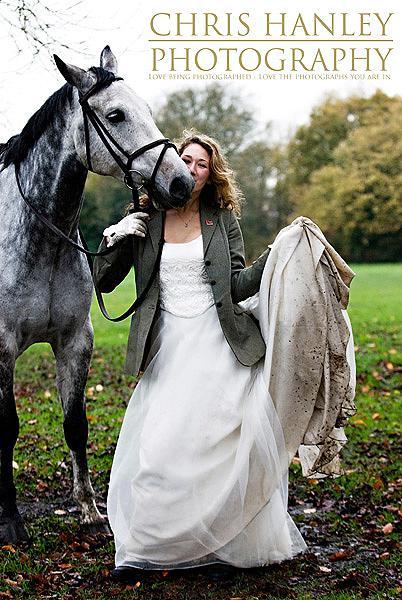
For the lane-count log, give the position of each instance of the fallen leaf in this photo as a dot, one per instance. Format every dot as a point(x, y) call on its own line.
point(389, 366)
point(15, 465)
point(375, 416)
point(10, 582)
point(47, 394)
point(378, 484)
point(384, 555)
point(8, 548)
point(340, 555)
point(59, 511)
point(392, 351)
point(365, 389)
point(32, 421)
point(165, 573)
point(388, 528)
point(324, 569)
point(309, 511)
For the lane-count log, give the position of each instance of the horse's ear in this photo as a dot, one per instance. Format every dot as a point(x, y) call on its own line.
point(78, 77)
point(108, 60)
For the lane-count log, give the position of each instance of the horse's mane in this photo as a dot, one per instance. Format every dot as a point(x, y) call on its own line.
point(18, 146)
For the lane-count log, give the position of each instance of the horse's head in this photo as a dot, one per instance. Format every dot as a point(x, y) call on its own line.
point(128, 119)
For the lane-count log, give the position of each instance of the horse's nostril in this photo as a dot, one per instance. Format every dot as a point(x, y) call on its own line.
point(179, 189)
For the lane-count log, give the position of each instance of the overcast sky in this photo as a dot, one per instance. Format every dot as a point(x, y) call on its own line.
point(27, 81)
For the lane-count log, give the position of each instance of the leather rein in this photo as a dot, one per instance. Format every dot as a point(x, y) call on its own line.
point(126, 166)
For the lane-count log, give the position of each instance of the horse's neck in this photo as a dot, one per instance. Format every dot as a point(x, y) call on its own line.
point(52, 177)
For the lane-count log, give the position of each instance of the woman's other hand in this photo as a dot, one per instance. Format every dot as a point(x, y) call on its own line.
point(132, 224)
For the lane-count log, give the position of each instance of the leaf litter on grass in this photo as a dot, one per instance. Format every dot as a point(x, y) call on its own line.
point(351, 524)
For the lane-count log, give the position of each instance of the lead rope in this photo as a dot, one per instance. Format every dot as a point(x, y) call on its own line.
point(144, 292)
point(84, 248)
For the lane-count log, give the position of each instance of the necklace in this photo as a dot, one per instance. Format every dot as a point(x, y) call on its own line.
point(187, 223)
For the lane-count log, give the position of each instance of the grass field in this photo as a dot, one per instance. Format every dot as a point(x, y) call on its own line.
point(350, 524)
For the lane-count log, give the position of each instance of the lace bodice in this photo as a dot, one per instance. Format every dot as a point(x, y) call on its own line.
point(185, 290)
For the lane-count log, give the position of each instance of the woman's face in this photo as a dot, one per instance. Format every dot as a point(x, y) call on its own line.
point(197, 161)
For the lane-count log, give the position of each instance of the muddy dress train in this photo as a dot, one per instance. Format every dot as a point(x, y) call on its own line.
point(200, 473)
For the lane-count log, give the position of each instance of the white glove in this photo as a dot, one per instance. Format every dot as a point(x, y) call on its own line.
point(132, 224)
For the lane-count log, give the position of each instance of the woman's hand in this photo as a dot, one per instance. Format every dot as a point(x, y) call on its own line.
point(132, 224)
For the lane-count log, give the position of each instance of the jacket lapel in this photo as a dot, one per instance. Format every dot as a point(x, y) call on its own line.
point(209, 219)
point(209, 216)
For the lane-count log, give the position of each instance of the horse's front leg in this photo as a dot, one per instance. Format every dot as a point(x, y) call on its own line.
point(73, 356)
point(12, 528)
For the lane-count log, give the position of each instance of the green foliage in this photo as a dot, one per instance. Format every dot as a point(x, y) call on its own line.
point(254, 168)
point(104, 202)
point(213, 111)
point(345, 173)
point(330, 122)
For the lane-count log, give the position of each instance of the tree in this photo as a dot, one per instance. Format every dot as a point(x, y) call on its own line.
point(36, 24)
point(211, 110)
point(104, 203)
point(254, 169)
point(355, 196)
point(330, 123)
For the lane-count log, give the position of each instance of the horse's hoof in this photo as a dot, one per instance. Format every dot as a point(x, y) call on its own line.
point(13, 531)
point(97, 527)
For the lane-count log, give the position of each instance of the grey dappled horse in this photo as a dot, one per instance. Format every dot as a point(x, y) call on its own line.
point(45, 284)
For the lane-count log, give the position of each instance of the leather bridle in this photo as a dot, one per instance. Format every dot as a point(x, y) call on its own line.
point(111, 145)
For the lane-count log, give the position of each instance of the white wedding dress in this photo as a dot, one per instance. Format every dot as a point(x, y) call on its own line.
point(200, 473)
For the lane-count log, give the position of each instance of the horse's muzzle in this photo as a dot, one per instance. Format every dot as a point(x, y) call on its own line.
point(180, 190)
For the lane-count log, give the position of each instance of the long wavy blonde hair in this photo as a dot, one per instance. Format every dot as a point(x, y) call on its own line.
point(222, 189)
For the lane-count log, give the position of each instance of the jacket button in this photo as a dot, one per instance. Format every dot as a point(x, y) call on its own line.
point(213, 282)
point(207, 263)
point(219, 304)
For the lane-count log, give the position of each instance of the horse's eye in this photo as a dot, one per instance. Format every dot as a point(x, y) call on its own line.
point(116, 116)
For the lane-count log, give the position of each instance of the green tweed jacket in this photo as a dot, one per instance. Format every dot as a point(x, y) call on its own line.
point(230, 279)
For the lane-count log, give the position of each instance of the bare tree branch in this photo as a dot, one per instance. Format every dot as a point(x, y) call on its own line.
point(35, 25)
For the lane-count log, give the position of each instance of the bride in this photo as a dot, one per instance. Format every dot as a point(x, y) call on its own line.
point(200, 473)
